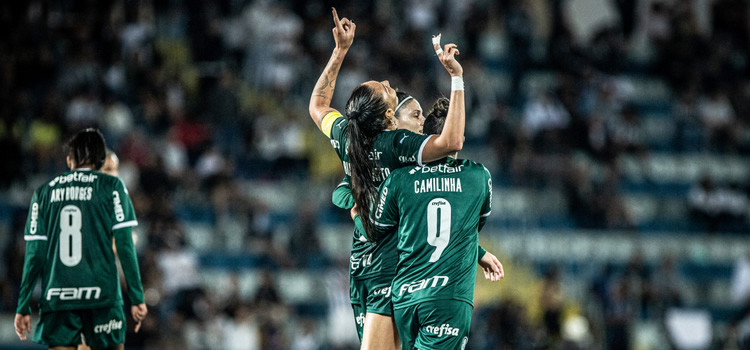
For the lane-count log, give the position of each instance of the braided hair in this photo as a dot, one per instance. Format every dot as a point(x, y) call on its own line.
point(435, 119)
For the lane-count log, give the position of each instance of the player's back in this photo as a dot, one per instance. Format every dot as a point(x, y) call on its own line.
point(391, 150)
point(77, 213)
point(439, 209)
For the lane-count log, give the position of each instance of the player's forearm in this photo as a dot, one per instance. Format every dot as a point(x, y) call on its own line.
point(455, 121)
point(33, 263)
point(451, 139)
point(129, 262)
point(320, 100)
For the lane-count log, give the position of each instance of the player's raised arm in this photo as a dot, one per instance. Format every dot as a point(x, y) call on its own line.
point(320, 100)
point(451, 139)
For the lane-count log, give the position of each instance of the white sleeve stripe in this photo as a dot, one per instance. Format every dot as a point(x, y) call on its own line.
point(130, 223)
point(381, 225)
point(421, 148)
point(35, 238)
point(486, 215)
point(342, 184)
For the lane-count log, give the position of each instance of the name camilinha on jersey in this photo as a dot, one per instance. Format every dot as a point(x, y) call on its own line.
point(438, 184)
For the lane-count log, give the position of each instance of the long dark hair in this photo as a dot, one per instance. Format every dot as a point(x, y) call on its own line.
point(87, 147)
point(365, 112)
point(435, 119)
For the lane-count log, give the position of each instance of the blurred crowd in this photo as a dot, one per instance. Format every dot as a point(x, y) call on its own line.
point(199, 97)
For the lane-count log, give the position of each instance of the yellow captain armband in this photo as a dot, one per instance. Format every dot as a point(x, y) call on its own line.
point(326, 124)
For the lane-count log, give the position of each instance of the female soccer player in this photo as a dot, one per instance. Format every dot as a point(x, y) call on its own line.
point(362, 135)
point(437, 209)
point(72, 221)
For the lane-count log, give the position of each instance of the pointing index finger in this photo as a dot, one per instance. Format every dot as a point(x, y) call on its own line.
point(335, 17)
point(436, 42)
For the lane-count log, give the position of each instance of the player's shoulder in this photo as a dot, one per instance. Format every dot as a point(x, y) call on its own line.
point(338, 121)
point(471, 164)
point(398, 136)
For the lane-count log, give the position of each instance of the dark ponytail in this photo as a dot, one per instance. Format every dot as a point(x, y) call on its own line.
point(365, 112)
point(435, 119)
point(87, 147)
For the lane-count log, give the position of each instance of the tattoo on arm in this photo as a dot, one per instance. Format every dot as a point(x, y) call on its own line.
point(324, 87)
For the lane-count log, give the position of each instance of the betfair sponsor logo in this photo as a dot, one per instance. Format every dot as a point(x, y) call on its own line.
point(442, 168)
point(73, 177)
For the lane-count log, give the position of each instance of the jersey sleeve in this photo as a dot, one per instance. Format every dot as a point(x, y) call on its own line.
point(409, 146)
point(34, 230)
point(123, 213)
point(481, 251)
point(329, 125)
point(487, 205)
point(385, 215)
point(124, 220)
point(34, 259)
point(342, 195)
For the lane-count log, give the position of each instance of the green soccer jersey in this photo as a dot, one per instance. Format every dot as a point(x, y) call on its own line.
point(438, 210)
point(391, 150)
point(71, 223)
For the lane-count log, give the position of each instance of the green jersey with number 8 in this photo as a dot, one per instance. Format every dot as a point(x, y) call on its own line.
point(76, 214)
point(438, 210)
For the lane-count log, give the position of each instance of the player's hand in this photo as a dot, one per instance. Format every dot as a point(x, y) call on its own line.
point(139, 312)
point(343, 32)
point(447, 56)
point(493, 269)
point(353, 211)
point(23, 325)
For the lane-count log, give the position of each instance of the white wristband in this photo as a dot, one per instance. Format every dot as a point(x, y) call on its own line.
point(457, 84)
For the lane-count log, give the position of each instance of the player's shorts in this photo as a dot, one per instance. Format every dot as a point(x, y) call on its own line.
point(371, 295)
point(102, 327)
point(434, 325)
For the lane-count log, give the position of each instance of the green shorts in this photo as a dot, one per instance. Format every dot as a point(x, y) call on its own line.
point(102, 327)
point(370, 295)
point(434, 325)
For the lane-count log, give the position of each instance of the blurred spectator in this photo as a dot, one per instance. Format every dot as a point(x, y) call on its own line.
point(304, 243)
point(718, 117)
point(241, 331)
point(688, 125)
point(551, 301)
point(545, 121)
point(618, 317)
point(716, 208)
point(520, 32)
point(636, 281)
point(740, 297)
point(628, 134)
point(668, 287)
point(305, 337)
